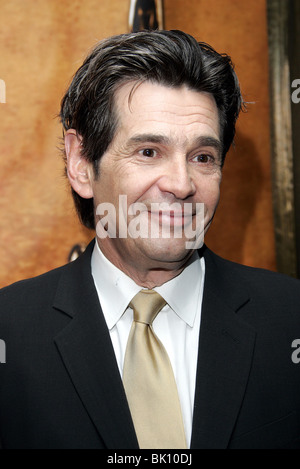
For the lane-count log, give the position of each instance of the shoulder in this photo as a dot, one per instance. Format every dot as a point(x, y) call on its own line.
point(28, 299)
point(30, 312)
point(37, 286)
point(268, 288)
point(32, 301)
point(42, 289)
point(252, 275)
point(26, 311)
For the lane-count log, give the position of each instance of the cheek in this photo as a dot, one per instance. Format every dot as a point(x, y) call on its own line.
point(121, 177)
point(139, 186)
point(113, 189)
point(209, 193)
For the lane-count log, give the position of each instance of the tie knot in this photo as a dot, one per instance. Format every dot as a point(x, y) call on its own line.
point(146, 306)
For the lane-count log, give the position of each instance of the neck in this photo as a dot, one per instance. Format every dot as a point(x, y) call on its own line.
point(151, 274)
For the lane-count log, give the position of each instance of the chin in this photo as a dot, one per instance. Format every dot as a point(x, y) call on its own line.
point(167, 250)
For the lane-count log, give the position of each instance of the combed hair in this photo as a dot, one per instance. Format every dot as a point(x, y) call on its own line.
point(169, 58)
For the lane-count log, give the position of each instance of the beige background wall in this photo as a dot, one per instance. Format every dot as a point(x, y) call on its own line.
point(42, 43)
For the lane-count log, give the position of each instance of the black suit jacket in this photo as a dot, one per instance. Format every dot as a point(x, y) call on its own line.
point(60, 386)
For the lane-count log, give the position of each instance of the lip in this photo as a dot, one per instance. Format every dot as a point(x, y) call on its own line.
point(171, 214)
point(171, 218)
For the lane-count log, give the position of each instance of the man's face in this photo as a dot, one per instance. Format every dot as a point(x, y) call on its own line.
point(166, 149)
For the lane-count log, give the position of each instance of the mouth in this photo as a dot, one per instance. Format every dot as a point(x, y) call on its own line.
point(171, 218)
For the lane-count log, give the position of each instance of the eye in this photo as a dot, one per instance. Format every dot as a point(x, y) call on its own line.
point(148, 153)
point(202, 158)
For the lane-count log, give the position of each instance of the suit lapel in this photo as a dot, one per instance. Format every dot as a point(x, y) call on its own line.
point(225, 355)
point(88, 355)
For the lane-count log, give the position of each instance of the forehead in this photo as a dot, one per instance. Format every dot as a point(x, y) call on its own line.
point(166, 109)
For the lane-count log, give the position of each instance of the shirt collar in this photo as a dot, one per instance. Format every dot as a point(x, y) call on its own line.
point(183, 293)
point(115, 289)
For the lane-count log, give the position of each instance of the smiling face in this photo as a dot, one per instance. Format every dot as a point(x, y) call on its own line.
point(167, 149)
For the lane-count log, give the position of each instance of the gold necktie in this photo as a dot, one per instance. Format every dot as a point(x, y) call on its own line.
point(149, 380)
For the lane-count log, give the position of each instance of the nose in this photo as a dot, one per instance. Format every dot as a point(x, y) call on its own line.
point(177, 180)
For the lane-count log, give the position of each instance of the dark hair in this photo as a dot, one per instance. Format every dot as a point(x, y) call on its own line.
point(170, 58)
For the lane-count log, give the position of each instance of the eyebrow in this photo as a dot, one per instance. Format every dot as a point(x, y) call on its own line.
point(202, 141)
point(206, 141)
point(153, 138)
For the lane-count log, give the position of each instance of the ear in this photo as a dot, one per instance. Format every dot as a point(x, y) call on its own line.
point(79, 170)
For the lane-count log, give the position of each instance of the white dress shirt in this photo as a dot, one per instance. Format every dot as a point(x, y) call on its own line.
point(177, 325)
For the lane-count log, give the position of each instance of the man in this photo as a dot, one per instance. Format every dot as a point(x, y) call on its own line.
point(147, 341)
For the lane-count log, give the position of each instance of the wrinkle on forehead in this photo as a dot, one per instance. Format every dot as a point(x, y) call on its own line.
point(157, 104)
point(128, 91)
